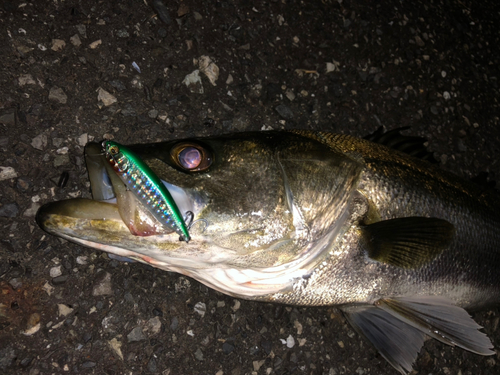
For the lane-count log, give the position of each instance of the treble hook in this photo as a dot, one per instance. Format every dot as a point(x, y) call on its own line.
point(191, 222)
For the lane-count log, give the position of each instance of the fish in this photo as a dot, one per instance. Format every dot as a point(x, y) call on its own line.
point(403, 248)
point(146, 186)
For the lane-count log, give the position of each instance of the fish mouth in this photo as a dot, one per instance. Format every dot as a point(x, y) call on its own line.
point(114, 220)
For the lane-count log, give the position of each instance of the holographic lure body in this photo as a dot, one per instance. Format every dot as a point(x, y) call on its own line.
point(147, 187)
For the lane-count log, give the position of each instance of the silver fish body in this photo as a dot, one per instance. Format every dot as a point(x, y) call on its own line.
point(311, 218)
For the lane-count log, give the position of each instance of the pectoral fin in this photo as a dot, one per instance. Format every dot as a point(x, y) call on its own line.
point(408, 242)
point(397, 327)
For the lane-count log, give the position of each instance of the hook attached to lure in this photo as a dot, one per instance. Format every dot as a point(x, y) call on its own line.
point(147, 187)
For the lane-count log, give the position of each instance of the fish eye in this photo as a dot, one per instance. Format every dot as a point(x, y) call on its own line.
point(114, 150)
point(191, 157)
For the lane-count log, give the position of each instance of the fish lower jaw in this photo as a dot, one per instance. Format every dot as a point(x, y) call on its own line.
point(246, 283)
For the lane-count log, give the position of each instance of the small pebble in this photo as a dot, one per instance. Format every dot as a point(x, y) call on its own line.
point(26, 79)
point(55, 271)
point(81, 260)
point(88, 364)
point(64, 310)
point(60, 279)
point(227, 347)
point(25, 362)
point(267, 346)
point(290, 95)
point(83, 139)
point(290, 341)
point(152, 364)
point(193, 82)
point(48, 288)
point(7, 357)
point(95, 44)
point(82, 30)
point(87, 336)
point(23, 184)
point(116, 346)
point(136, 335)
point(105, 97)
point(57, 94)
point(419, 41)
point(39, 142)
point(153, 325)
point(58, 45)
point(174, 324)
point(284, 112)
point(6, 173)
point(198, 354)
point(162, 33)
point(60, 160)
point(9, 210)
point(200, 308)
point(128, 111)
point(117, 84)
point(157, 312)
point(102, 285)
point(122, 33)
point(75, 40)
point(15, 283)
point(330, 67)
point(33, 324)
point(31, 212)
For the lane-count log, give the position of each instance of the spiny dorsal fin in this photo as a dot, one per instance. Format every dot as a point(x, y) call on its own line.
point(411, 145)
point(408, 242)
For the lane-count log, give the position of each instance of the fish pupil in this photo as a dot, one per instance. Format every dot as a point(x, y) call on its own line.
point(190, 157)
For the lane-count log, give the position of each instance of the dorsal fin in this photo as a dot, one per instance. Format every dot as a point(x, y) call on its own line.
point(411, 145)
point(415, 146)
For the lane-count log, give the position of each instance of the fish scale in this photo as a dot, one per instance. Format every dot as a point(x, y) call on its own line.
point(147, 187)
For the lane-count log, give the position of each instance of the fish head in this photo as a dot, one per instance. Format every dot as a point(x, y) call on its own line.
point(263, 209)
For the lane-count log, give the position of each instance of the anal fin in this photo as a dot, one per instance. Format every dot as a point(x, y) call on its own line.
point(439, 318)
point(397, 327)
point(398, 342)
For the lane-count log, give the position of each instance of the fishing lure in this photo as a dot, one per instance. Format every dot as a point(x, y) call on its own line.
point(147, 187)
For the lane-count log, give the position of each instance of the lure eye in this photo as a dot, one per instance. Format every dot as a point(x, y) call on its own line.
point(191, 157)
point(113, 150)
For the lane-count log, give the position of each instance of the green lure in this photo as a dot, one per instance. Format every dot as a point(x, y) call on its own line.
point(147, 187)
